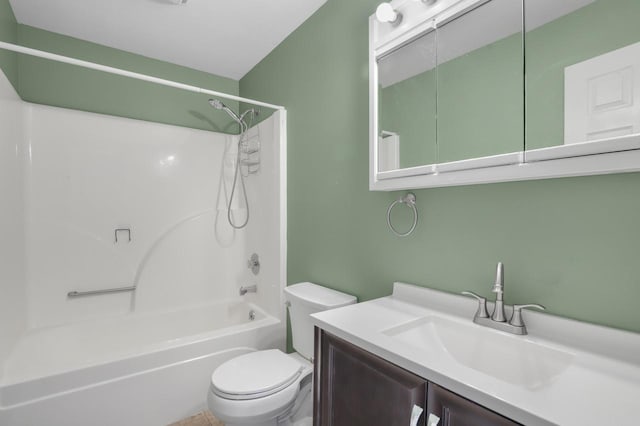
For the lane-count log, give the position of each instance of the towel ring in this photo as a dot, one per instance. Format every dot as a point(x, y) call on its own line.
point(409, 200)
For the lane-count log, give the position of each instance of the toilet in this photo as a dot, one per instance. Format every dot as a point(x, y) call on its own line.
point(270, 387)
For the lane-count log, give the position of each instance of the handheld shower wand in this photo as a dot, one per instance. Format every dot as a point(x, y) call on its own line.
point(244, 127)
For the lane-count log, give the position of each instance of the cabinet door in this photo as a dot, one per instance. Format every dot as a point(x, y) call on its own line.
point(356, 388)
point(454, 410)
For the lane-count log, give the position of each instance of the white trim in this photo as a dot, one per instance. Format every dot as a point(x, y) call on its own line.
point(404, 39)
point(607, 163)
point(408, 171)
point(373, 107)
point(602, 146)
point(130, 74)
point(417, 17)
point(282, 116)
point(480, 162)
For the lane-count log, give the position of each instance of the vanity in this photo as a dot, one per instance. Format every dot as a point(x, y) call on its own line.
point(478, 91)
point(417, 358)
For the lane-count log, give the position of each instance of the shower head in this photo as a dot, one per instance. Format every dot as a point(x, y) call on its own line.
point(217, 104)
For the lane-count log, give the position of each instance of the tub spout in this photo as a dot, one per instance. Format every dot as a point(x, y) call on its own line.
point(248, 289)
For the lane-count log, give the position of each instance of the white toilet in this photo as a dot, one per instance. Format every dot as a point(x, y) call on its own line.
point(269, 387)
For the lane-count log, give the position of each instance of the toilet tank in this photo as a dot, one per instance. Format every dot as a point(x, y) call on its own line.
point(305, 299)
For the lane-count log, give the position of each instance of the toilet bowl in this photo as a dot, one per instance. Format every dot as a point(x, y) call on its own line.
point(269, 387)
point(260, 388)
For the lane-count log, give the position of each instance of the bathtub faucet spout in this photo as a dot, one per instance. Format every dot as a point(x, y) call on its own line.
point(249, 289)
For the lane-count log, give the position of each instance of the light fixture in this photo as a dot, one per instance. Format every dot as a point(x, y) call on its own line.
point(386, 13)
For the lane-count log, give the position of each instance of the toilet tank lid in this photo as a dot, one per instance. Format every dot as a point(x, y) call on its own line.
point(318, 296)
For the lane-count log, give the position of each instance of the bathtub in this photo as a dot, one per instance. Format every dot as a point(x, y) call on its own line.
point(140, 369)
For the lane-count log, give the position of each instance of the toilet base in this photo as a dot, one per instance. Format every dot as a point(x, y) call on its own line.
point(297, 413)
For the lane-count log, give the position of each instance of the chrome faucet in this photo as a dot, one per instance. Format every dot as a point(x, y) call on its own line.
point(498, 289)
point(498, 318)
point(248, 289)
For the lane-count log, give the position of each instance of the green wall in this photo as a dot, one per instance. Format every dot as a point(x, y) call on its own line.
point(9, 34)
point(570, 244)
point(53, 83)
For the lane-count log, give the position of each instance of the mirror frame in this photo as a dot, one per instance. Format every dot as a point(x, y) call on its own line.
point(615, 155)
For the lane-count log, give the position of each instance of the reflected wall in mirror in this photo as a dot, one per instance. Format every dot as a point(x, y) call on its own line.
point(583, 72)
point(481, 83)
point(407, 105)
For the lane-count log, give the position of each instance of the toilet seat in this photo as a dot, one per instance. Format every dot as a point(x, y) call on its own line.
point(255, 375)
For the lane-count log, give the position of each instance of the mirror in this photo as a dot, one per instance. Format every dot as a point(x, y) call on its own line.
point(469, 73)
point(481, 83)
point(583, 75)
point(454, 101)
point(407, 105)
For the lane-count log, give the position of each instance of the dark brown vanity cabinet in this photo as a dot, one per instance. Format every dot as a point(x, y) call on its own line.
point(353, 387)
point(454, 410)
point(356, 388)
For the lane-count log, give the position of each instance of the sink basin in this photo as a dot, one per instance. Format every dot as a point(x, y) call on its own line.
point(513, 359)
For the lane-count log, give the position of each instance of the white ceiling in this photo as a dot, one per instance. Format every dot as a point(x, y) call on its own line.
point(222, 37)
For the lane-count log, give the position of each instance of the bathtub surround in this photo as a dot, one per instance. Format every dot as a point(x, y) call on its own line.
point(70, 179)
point(570, 244)
point(91, 174)
point(13, 303)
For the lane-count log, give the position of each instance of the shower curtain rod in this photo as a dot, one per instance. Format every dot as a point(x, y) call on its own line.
point(130, 74)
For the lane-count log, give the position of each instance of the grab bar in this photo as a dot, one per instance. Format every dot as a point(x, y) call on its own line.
point(73, 294)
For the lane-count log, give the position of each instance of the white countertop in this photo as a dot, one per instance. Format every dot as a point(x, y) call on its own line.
point(599, 386)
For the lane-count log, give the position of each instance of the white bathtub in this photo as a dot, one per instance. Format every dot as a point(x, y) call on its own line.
point(139, 369)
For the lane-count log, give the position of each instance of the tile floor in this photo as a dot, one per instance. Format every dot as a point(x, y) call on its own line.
point(204, 418)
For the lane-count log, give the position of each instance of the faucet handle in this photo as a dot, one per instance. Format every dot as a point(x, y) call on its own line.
point(516, 318)
point(482, 304)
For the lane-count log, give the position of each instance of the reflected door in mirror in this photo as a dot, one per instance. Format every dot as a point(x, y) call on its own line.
point(583, 65)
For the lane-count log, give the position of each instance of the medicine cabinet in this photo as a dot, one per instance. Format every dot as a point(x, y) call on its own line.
point(477, 91)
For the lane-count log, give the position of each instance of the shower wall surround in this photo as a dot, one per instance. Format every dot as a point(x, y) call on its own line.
point(86, 175)
point(570, 244)
point(91, 174)
point(12, 248)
